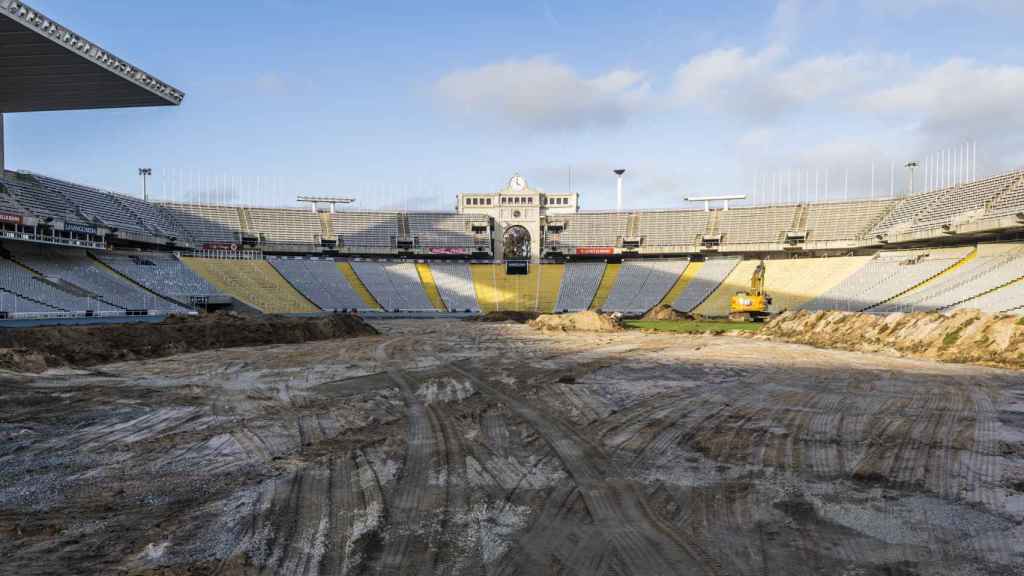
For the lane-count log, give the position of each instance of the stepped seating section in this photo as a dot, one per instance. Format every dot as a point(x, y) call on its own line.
point(1010, 201)
point(40, 201)
point(591, 229)
point(642, 284)
point(7, 202)
point(286, 225)
point(76, 268)
point(97, 206)
point(794, 282)
point(365, 229)
point(904, 213)
point(886, 276)
point(207, 223)
point(254, 282)
point(704, 283)
point(454, 282)
point(17, 280)
point(395, 285)
point(1008, 299)
point(716, 305)
point(14, 306)
point(755, 225)
point(963, 199)
point(536, 291)
point(672, 227)
point(160, 273)
point(691, 270)
point(320, 281)
point(442, 230)
point(155, 218)
point(579, 285)
point(844, 220)
point(993, 267)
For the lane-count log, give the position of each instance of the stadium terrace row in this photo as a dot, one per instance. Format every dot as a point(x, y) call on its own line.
point(43, 205)
point(38, 281)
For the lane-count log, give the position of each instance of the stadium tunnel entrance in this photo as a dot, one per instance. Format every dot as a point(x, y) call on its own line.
point(516, 243)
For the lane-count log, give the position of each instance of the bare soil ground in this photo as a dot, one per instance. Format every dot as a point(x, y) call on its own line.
point(445, 447)
point(585, 321)
point(36, 349)
point(967, 336)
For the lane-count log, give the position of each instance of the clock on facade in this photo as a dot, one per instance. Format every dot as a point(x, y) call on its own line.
point(517, 183)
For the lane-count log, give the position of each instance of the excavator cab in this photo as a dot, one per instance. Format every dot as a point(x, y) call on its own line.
point(752, 305)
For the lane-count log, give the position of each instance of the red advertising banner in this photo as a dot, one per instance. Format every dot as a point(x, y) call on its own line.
point(449, 251)
point(10, 218)
point(595, 251)
point(220, 246)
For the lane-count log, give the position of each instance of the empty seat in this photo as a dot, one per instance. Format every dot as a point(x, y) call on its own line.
point(641, 284)
point(321, 281)
point(160, 272)
point(704, 282)
point(365, 229)
point(395, 285)
point(454, 282)
point(579, 285)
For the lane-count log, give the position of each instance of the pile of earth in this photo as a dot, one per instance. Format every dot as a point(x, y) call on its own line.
point(39, 348)
point(504, 316)
point(967, 336)
point(587, 321)
point(665, 312)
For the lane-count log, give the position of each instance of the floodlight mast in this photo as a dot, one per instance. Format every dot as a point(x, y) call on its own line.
point(707, 200)
point(145, 173)
point(618, 188)
point(332, 200)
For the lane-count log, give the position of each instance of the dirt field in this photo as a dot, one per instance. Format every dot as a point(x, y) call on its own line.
point(444, 447)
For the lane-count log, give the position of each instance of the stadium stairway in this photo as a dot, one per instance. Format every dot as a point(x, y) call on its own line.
point(427, 279)
point(325, 226)
point(253, 282)
point(611, 272)
point(927, 282)
point(358, 286)
point(684, 279)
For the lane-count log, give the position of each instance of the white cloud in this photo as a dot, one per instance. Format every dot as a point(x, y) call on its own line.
point(764, 85)
point(957, 100)
point(540, 93)
point(958, 95)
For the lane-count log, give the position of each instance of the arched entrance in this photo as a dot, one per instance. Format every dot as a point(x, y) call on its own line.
point(516, 243)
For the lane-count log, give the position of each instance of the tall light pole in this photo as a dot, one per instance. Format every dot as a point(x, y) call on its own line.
point(618, 189)
point(145, 173)
point(911, 166)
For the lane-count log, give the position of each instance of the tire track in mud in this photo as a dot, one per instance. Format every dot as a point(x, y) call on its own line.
point(412, 529)
point(643, 543)
point(319, 520)
point(429, 513)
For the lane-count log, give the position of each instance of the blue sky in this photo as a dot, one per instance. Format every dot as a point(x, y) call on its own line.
point(408, 104)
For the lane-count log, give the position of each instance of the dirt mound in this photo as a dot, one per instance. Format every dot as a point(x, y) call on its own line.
point(36, 349)
point(967, 336)
point(504, 316)
point(577, 322)
point(666, 312)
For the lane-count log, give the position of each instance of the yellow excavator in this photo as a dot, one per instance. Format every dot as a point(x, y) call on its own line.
point(751, 306)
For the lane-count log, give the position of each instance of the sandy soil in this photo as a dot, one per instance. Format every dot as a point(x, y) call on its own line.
point(465, 448)
point(966, 336)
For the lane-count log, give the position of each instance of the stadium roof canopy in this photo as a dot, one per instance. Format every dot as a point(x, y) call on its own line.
point(45, 66)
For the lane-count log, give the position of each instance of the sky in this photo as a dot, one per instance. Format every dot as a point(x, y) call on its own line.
point(408, 104)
